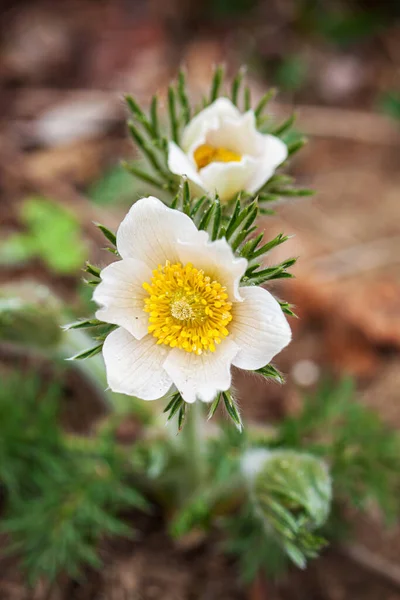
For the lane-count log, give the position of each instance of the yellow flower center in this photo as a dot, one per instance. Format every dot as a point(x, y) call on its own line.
point(186, 308)
point(206, 154)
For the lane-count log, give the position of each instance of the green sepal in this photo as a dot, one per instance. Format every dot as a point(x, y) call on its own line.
point(271, 372)
point(232, 409)
point(88, 353)
point(109, 235)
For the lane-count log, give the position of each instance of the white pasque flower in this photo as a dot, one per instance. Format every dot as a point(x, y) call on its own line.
point(222, 152)
point(182, 317)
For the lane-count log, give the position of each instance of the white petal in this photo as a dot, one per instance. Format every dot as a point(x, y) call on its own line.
point(259, 328)
point(121, 295)
point(227, 179)
point(217, 261)
point(239, 134)
point(150, 230)
point(180, 164)
point(135, 367)
point(202, 376)
point(273, 153)
point(209, 118)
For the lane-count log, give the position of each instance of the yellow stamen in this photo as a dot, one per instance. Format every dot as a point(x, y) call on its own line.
point(206, 154)
point(186, 308)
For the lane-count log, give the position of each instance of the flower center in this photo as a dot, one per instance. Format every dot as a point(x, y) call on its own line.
point(206, 154)
point(186, 308)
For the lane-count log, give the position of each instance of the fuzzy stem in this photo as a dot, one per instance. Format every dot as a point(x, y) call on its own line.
point(193, 447)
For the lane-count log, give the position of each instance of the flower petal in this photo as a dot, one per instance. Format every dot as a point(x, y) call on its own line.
point(239, 134)
point(216, 259)
point(273, 153)
point(259, 328)
point(121, 295)
point(135, 367)
point(202, 376)
point(228, 178)
point(149, 232)
point(208, 118)
point(180, 164)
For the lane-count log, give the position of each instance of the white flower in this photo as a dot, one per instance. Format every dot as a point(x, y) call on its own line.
point(222, 151)
point(183, 319)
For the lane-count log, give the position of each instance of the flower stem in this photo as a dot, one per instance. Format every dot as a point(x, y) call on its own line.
point(193, 447)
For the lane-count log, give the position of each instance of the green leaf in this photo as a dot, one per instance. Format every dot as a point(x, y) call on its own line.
point(148, 151)
point(284, 126)
point(92, 270)
point(140, 116)
point(271, 372)
point(236, 83)
point(54, 235)
point(247, 98)
point(176, 404)
point(88, 353)
point(183, 98)
point(268, 96)
point(181, 416)
point(216, 83)
point(115, 186)
point(232, 410)
point(173, 120)
point(214, 406)
point(84, 324)
point(295, 146)
point(287, 308)
point(109, 235)
point(143, 175)
point(154, 117)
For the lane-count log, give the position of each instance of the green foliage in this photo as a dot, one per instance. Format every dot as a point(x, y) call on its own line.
point(363, 453)
point(62, 493)
point(29, 315)
point(116, 186)
point(52, 234)
point(344, 24)
point(256, 549)
point(292, 73)
point(389, 103)
point(292, 495)
point(288, 496)
point(348, 27)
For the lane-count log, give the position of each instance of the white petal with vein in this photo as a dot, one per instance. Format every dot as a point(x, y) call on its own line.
point(180, 164)
point(202, 377)
point(227, 178)
point(207, 119)
point(259, 328)
point(273, 153)
point(135, 367)
point(150, 230)
point(121, 295)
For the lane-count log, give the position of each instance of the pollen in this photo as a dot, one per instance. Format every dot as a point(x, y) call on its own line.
point(187, 308)
point(206, 154)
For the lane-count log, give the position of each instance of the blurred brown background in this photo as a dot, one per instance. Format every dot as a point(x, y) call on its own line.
point(63, 69)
